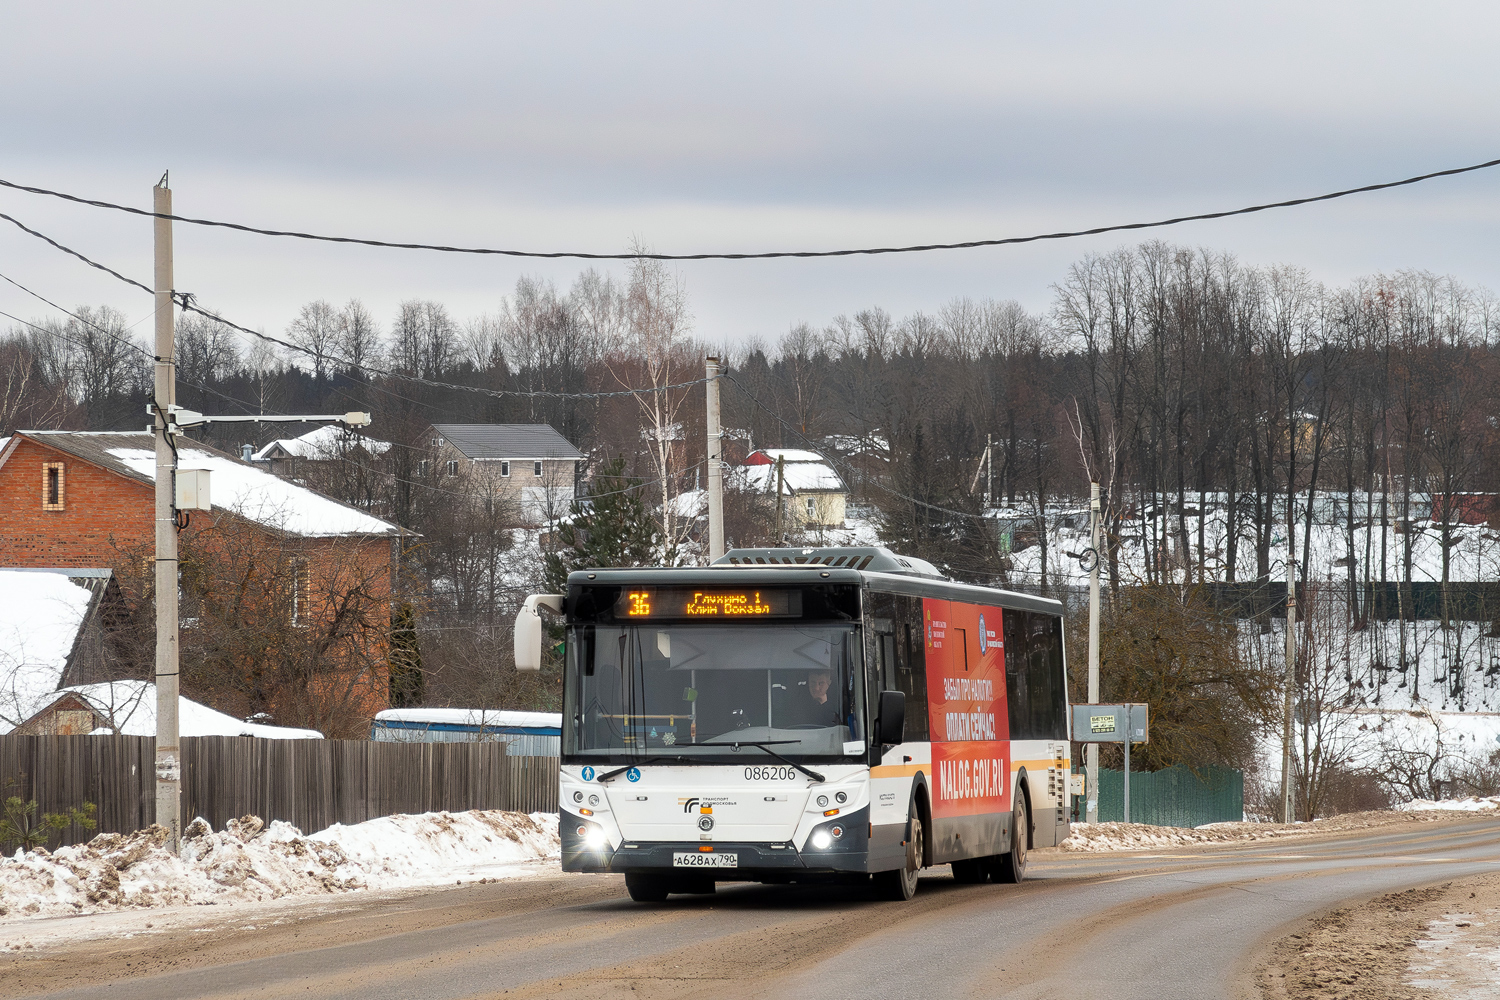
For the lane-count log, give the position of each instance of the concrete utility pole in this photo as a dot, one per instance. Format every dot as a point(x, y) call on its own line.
point(780, 469)
point(1288, 796)
point(715, 467)
point(989, 469)
point(1091, 767)
point(164, 397)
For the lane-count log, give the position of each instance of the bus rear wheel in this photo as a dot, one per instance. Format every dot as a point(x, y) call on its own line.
point(1011, 867)
point(645, 888)
point(901, 884)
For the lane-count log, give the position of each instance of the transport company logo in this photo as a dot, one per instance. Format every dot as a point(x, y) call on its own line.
point(690, 804)
point(982, 635)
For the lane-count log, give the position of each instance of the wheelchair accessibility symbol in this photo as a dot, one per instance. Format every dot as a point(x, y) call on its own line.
point(634, 774)
point(588, 774)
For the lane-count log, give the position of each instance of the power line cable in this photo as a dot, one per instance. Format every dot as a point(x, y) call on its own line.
point(867, 251)
point(185, 300)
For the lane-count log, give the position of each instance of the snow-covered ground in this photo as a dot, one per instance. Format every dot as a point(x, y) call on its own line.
point(249, 862)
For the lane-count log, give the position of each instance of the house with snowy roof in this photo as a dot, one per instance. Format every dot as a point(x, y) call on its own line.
point(531, 465)
point(301, 563)
point(128, 708)
point(817, 495)
point(50, 635)
point(329, 443)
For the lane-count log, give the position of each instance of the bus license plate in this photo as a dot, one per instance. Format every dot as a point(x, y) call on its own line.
point(695, 859)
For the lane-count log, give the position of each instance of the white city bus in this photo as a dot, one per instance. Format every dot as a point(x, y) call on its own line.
point(804, 715)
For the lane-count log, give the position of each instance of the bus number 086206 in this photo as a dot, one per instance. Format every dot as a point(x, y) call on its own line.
point(770, 773)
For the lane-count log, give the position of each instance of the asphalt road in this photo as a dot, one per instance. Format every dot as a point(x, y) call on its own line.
point(1156, 926)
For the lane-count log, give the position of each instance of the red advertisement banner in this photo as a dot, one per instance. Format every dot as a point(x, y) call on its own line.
point(966, 708)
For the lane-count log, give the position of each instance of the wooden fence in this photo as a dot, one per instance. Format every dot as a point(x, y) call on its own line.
point(311, 784)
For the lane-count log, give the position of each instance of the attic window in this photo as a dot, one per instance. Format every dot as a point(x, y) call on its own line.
point(536, 468)
point(437, 442)
point(54, 486)
point(504, 468)
point(812, 507)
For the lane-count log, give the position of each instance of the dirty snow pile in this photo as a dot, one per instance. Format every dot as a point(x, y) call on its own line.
point(1141, 836)
point(1471, 804)
point(249, 861)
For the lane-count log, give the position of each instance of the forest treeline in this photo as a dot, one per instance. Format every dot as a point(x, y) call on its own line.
point(1181, 379)
point(1167, 373)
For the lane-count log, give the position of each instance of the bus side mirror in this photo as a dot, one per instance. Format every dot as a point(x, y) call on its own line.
point(891, 723)
point(529, 629)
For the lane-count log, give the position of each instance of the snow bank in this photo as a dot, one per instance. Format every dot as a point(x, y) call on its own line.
point(1141, 836)
point(250, 862)
point(1470, 804)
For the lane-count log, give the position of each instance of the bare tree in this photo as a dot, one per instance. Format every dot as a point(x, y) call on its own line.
point(316, 331)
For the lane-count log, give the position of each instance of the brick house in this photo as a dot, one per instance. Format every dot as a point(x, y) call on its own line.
point(530, 464)
point(288, 565)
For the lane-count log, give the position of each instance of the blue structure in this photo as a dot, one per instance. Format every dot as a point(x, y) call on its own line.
point(526, 734)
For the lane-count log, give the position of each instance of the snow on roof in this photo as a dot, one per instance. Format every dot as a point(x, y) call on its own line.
point(261, 497)
point(40, 615)
point(325, 443)
point(692, 503)
point(132, 707)
point(787, 455)
point(472, 717)
point(797, 477)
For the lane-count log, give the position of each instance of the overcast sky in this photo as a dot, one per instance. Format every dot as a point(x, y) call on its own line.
point(700, 127)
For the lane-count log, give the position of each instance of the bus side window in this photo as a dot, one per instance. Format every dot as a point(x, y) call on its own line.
point(1045, 681)
point(1017, 690)
point(888, 680)
point(913, 668)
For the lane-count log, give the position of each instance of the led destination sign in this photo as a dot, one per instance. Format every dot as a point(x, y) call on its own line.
point(700, 603)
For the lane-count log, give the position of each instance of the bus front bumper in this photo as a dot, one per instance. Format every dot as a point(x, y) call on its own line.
point(752, 861)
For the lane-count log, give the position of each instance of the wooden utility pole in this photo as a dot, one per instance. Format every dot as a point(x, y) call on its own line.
point(715, 466)
point(164, 397)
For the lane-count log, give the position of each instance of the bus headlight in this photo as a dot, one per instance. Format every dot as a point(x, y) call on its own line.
point(821, 839)
point(594, 837)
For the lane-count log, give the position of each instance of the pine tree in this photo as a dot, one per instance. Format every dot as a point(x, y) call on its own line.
point(610, 528)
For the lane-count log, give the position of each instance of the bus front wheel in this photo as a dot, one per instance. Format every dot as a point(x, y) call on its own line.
point(901, 884)
point(645, 888)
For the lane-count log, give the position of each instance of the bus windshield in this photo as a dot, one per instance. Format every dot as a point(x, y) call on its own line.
point(694, 690)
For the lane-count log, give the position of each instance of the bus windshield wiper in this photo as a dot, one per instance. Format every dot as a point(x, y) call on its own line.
point(814, 775)
point(621, 770)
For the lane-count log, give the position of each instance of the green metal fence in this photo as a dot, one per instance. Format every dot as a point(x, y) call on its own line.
point(1177, 796)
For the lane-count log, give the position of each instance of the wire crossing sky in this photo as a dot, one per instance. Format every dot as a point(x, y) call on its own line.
point(763, 255)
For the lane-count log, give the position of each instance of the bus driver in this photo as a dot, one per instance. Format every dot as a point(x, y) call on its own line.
point(812, 707)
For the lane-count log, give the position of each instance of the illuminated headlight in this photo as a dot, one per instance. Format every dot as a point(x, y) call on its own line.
point(822, 840)
point(594, 838)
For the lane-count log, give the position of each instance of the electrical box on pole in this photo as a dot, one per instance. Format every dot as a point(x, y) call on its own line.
point(192, 490)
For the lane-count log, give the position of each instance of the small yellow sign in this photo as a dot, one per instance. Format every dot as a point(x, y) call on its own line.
point(1102, 723)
